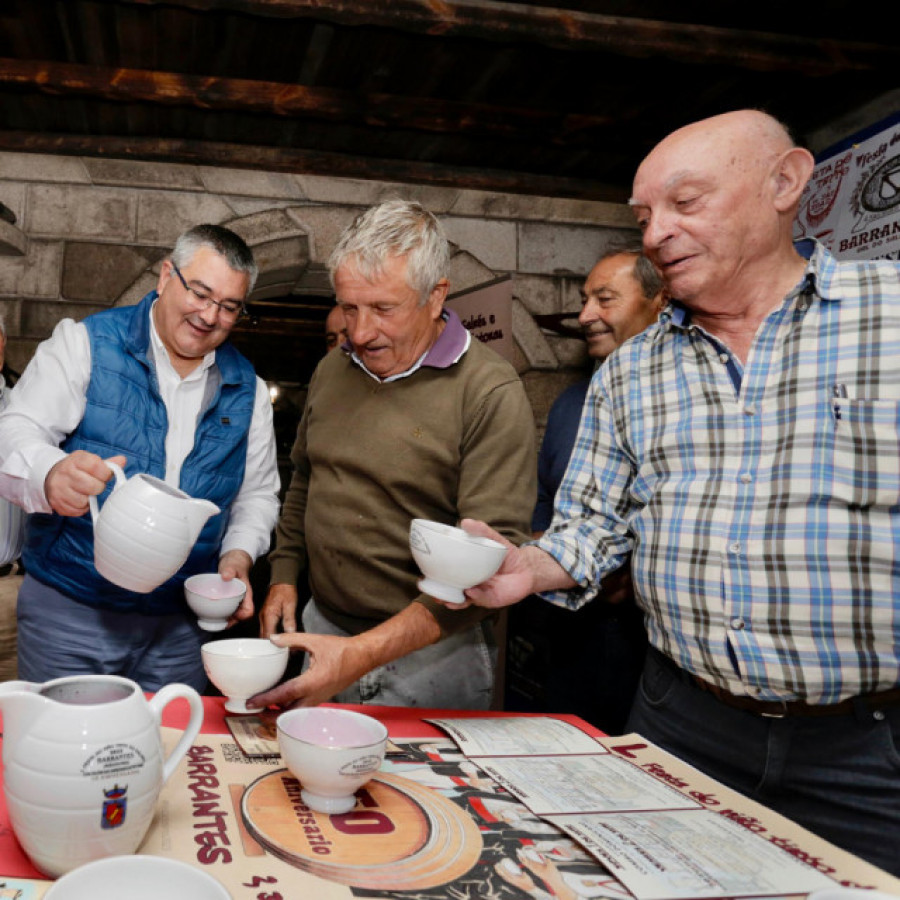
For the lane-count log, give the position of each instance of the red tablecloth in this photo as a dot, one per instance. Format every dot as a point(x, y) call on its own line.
point(401, 723)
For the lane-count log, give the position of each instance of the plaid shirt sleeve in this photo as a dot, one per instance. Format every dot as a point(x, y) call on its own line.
point(589, 536)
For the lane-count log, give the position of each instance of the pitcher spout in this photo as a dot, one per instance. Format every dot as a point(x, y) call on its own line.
point(20, 703)
point(197, 514)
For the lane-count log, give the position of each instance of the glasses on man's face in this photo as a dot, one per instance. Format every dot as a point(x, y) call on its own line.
point(229, 310)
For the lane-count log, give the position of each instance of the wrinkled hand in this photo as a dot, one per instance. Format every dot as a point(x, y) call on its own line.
point(73, 480)
point(334, 664)
point(513, 580)
point(280, 607)
point(236, 564)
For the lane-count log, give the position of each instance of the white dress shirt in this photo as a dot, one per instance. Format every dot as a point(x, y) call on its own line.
point(11, 516)
point(49, 402)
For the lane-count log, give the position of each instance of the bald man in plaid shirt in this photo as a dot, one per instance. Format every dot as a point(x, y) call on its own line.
point(746, 449)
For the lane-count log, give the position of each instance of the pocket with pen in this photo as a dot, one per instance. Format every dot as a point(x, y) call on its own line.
point(866, 451)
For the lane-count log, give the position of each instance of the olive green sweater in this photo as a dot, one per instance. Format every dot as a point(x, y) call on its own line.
point(442, 444)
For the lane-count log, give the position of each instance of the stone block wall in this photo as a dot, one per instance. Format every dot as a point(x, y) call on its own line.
point(95, 230)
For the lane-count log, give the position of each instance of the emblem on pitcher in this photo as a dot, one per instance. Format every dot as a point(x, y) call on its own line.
point(114, 807)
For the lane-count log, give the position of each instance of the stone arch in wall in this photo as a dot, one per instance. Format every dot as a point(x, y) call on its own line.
point(292, 245)
point(281, 246)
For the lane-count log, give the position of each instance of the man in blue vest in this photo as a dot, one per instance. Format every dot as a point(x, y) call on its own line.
point(157, 388)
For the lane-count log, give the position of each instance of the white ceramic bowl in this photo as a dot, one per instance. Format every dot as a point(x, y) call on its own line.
point(213, 599)
point(242, 667)
point(451, 559)
point(332, 753)
point(136, 878)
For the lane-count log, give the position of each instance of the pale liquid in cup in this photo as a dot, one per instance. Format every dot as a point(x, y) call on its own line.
point(220, 590)
point(329, 732)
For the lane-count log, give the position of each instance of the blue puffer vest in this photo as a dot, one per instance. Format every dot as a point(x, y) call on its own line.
point(125, 414)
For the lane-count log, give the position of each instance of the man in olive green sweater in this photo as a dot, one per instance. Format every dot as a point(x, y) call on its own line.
point(417, 421)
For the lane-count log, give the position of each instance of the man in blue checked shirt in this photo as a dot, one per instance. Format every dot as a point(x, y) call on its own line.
point(746, 450)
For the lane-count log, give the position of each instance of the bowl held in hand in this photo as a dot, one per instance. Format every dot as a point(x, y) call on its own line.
point(242, 667)
point(213, 599)
point(451, 559)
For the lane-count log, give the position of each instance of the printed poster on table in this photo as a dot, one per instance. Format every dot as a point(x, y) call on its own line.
point(660, 828)
point(852, 202)
point(619, 819)
point(431, 825)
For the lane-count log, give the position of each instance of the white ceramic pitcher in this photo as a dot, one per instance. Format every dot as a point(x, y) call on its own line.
point(83, 765)
point(145, 531)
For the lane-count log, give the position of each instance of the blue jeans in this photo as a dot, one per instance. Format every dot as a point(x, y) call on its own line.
point(58, 637)
point(455, 673)
point(586, 661)
point(837, 776)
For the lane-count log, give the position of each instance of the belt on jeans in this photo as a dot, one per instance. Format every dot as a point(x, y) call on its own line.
point(779, 709)
point(8, 569)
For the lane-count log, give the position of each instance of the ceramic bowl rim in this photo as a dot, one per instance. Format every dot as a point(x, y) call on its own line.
point(457, 534)
point(203, 575)
point(263, 644)
point(112, 861)
point(343, 713)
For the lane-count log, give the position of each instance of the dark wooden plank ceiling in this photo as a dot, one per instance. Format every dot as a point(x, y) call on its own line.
point(559, 99)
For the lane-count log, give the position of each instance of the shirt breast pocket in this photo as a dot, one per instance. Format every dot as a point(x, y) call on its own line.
point(866, 468)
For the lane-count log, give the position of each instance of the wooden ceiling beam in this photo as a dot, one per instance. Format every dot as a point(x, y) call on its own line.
point(311, 162)
point(292, 100)
point(496, 20)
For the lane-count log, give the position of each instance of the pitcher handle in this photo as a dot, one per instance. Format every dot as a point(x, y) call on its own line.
point(120, 478)
point(163, 697)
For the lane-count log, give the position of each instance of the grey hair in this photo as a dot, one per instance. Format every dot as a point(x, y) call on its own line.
point(395, 228)
point(644, 272)
point(2, 325)
point(224, 242)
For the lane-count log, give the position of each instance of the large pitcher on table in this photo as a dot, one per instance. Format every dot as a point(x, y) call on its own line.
point(84, 765)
